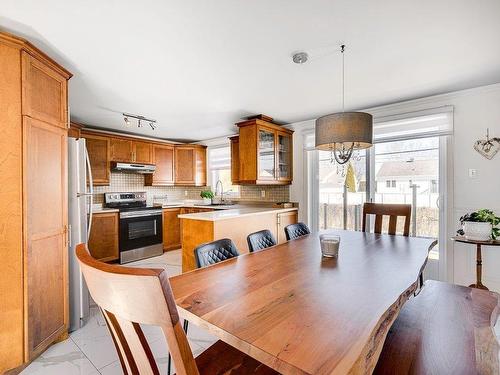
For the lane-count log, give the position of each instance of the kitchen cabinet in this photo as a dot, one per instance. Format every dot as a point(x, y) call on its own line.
point(121, 150)
point(98, 148)
point(265, 153)
point(33, 202)
point(284, 219)
point(190, 165)
point(235, 159)
point(171, 229)
point(103, 240)
point(128, 151)
point(163, 158)
point(141, 152)
point(44, 92)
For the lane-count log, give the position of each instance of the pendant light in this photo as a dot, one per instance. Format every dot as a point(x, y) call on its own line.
point(342, 133)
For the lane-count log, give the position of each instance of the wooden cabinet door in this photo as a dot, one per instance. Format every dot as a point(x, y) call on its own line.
point(44, 92)
point(184, 165)
point(284, 219)
point(235, 160)
point(45, 184)
point(163, 158)
point(200, 166)
point(142, 152)
point(103, 241)
point(121, 150)
point(99, 155)
point(171, 229)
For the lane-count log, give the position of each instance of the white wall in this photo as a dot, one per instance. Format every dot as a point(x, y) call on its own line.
point(474, 111)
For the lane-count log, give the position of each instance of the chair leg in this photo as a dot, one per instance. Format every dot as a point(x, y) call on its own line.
point(421, 280)
point(186, 326)
point(169, 364)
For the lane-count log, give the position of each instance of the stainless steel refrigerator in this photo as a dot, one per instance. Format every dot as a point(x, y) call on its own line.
point(80, 201)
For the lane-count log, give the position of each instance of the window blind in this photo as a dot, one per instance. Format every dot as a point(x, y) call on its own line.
point(219, 158)
point(420, 124)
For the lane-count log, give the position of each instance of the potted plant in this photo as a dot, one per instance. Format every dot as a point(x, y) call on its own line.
point(480, 225)
point(207, 196)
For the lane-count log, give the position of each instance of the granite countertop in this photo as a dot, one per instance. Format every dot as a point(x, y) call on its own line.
point(232, 213)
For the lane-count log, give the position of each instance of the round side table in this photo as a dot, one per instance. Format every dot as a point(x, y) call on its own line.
point(479, 260)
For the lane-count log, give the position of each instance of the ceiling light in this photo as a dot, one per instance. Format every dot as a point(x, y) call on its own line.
point(300, 57)
point(341, 133)
point(140, 119)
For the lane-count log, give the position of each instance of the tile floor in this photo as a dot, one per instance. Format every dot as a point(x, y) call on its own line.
point(90, 350)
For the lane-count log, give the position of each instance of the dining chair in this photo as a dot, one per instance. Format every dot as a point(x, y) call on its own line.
point(297, 230)
point(215, 252)
point(260, 240)
point(393, 211)
point(129, 297)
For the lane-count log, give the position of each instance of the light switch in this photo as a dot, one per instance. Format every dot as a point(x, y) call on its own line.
point(263, 193)
point(472, 173)
point(185, 193)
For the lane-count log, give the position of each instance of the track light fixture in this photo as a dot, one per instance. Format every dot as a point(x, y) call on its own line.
point(140, 120)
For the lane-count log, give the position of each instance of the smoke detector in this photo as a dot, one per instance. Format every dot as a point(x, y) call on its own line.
point(300, 57)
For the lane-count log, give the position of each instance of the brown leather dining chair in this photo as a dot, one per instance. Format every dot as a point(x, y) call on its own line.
point(129, 297)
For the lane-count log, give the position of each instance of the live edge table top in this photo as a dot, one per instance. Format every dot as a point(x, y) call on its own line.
point(300, 313)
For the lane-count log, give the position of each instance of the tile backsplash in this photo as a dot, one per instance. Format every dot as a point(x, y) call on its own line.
point(124, 182)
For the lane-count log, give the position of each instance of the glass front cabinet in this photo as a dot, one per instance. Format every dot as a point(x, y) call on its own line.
point(265, 153)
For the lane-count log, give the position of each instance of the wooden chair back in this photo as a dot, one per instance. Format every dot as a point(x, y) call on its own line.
point(391, 210)
point(129, 297)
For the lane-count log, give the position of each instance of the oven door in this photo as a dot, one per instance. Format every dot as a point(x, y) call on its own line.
point(140, 229)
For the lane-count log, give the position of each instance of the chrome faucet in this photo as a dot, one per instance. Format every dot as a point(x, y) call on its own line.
point(221, 190)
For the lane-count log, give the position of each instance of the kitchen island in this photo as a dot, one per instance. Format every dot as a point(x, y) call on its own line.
point(235, 223)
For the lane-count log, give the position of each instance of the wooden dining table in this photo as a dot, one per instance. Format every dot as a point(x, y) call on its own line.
point(301, 313)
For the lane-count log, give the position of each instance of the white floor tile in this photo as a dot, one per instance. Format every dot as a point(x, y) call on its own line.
point(63, 358)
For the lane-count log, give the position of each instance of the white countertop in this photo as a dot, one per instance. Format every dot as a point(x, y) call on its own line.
point(232, 213)
point(102, 210)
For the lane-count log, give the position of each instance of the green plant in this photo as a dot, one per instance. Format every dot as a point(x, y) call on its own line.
point(208, 194)
point(482, 216)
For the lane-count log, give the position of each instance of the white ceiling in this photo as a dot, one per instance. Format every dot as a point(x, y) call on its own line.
point(199, 66)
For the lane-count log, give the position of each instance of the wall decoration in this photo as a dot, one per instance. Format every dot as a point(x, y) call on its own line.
point(487, 147)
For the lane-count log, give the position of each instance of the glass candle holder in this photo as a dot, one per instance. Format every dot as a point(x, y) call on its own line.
point(329, 245)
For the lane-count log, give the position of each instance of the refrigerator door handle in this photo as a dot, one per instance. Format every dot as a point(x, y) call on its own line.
point(90, 193)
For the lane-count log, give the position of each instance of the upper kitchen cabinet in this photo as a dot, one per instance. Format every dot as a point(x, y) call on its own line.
point(190, 165)
point(98, 148)
point(163, 159)
point(265, 153)
point(44, 92)
point(129, 151)
point(33, 200)
point(142, 152)
point(121, 150)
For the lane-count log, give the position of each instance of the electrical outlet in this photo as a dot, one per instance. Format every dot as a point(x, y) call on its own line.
point(185, 193)
point(263, 193)
point(472, 173)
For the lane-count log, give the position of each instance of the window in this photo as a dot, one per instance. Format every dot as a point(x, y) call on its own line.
point(405, 165)
point(219, 168)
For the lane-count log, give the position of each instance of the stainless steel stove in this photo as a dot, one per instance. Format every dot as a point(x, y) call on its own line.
point(140, 226)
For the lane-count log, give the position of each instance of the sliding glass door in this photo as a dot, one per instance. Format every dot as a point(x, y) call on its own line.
point(402, 171)
point(340, 203)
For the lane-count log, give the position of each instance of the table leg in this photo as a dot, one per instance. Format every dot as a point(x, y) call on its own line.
point(479, 270)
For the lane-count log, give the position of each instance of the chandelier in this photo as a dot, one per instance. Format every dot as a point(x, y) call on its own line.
point(343, 132)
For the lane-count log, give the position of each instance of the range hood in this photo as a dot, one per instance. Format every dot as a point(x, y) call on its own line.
point(133, 167)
